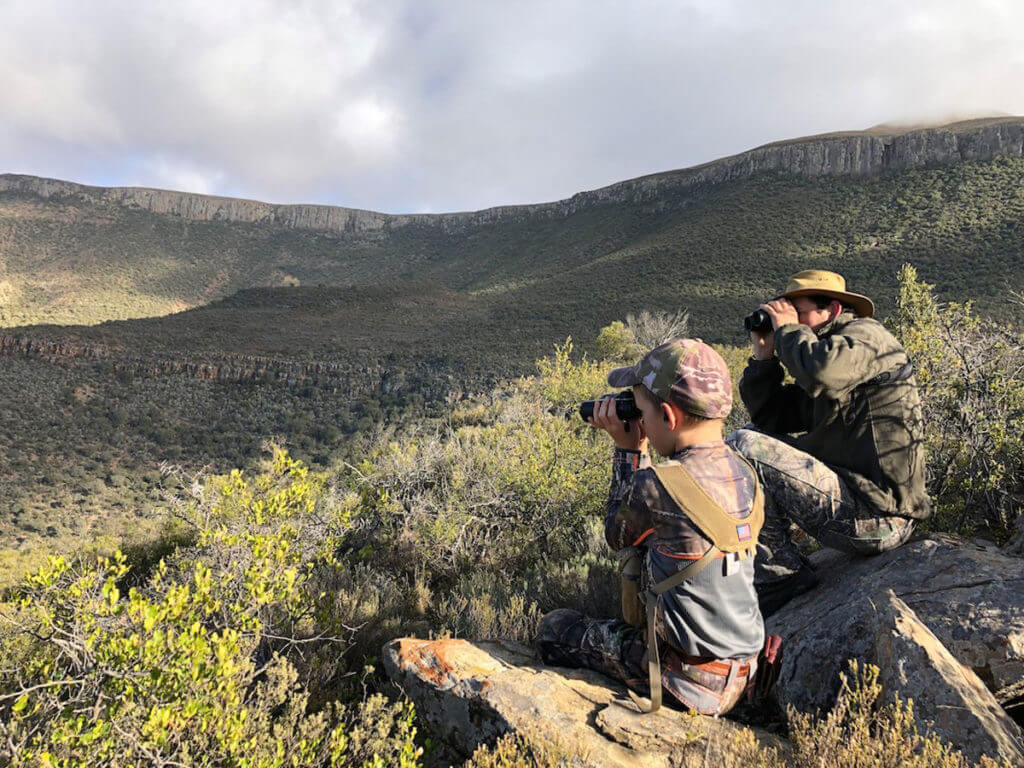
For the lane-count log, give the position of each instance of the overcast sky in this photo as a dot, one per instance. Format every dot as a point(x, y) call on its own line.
point(420, 105)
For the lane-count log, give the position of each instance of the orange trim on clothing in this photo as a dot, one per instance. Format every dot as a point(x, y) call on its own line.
point(687, 557)
point(643, 536)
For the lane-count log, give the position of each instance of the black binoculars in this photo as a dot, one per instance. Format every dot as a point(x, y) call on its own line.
point(758, 321)
point(625, 407)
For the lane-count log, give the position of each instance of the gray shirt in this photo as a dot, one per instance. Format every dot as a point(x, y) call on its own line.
point(713, 615)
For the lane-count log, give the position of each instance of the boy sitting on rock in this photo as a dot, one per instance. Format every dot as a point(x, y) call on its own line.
point(694, 520)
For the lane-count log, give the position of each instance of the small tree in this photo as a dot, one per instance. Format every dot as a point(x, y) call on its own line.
point(653, 328)
point(616, 342)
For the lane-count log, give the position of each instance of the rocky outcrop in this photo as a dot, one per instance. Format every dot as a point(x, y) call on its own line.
point(353, 378)
point(854, 153)
point(471, 693)
point(330, 376)
point(970, 595)
point(954, 701)
point(942, 618)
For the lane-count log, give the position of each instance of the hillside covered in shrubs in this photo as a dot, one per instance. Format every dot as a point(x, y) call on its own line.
point(246, 632)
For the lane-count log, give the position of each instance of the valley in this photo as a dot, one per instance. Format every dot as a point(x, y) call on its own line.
point(312, 328)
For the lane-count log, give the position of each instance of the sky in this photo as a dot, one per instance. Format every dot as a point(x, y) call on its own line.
point(427, 106)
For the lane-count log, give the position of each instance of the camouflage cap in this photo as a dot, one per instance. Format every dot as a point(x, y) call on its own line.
point(686, 372)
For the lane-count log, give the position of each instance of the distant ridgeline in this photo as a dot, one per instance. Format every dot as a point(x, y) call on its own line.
point(244, 290)
point(853, 153)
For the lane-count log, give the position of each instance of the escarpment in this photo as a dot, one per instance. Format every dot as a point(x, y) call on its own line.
point(350, 378)
point(844, 154)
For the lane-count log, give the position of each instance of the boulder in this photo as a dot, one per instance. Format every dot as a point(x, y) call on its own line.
point(471, 693)
point(958, 706)
point(968, 597)
point(971, 595)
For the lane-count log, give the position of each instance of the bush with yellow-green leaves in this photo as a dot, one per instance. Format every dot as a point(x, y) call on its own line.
point(198, 662)
point(971, 374)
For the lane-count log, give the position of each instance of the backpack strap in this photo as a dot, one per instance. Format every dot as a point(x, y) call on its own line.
point(727, 535)
point(726, 532)
point(651, 599)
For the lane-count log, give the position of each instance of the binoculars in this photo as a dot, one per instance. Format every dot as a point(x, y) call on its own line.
point(625, 407)
point(758, 321)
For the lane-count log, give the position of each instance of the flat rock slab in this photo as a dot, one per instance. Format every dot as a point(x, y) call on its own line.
point(471, 693)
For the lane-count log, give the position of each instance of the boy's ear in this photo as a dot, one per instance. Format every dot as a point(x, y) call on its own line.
point(669, 415)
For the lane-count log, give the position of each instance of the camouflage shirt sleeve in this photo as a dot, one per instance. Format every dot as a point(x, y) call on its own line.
point(628, 518)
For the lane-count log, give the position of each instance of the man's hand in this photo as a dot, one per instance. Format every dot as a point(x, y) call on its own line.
point(782, 312)
point(764, 344)
point(604, 418)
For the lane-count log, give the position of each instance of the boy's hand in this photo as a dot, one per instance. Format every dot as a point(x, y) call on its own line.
point(604, 418)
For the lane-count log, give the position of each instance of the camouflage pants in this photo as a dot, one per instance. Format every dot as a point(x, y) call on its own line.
point(800, 489)
point(567, 638)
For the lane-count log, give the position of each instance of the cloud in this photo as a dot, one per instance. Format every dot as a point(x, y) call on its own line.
point(367, 128)
point(403, 105)
point(166, 173)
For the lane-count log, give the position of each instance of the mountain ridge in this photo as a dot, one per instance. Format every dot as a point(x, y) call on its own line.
point(856, 153)
point(76, 256)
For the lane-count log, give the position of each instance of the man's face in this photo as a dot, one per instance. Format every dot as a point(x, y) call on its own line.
point(809, 314)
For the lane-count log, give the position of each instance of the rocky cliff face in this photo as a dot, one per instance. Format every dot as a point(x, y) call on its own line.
point(353, 380)
point(828, 155)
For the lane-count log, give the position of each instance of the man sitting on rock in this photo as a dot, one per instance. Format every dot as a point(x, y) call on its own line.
point(694, 520)
point(854, 478)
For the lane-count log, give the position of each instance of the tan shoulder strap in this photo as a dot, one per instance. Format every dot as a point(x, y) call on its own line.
point(651, 600)
point(727, 533)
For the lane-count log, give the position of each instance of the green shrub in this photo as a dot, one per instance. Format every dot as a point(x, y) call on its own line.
point(478, 529)
point(516, 750)
point(196, 664)
point(616, 342)
point(562, 384)
point(971, 374)
point(862, 731)
point(525, 486)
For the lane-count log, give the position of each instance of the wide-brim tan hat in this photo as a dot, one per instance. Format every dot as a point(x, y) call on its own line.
point(819, 282)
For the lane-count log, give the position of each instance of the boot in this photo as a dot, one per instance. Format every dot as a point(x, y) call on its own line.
point(772, 595)
point(560, 637)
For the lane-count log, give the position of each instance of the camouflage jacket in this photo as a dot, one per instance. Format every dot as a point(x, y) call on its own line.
point(714, 614)
point(868, 430)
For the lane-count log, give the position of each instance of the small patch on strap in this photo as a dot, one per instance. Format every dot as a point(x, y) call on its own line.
point(743, 532)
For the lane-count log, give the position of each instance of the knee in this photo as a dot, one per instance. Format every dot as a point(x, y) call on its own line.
point(559, 633)
point(760, 447)
point(553, 625)
point(743, 440)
